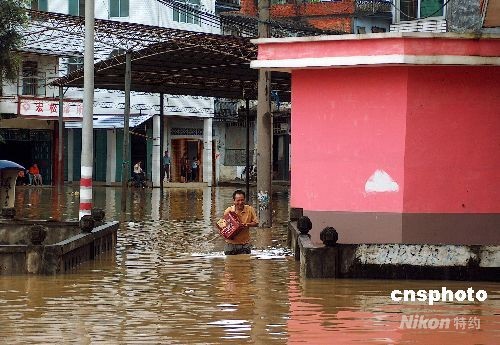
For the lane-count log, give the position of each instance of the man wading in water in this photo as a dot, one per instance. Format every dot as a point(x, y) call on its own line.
point(240, 244)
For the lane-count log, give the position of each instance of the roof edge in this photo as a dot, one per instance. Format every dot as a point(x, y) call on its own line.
point(372, 36)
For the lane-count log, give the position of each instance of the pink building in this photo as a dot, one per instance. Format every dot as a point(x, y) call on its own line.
point(395, 137)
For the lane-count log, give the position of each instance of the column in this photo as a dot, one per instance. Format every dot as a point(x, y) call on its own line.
point(207, 151)
point(111, 156)
point(70, 154)
point(157, 154)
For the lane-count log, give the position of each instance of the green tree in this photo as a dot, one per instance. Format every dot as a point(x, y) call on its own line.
point(13, 17)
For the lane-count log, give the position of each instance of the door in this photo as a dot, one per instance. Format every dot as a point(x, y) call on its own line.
point(191, 149)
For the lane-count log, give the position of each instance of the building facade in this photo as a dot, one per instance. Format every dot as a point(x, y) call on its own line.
point(187, 120)
point(416, 161)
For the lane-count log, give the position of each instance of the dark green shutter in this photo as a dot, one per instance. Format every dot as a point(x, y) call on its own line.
point(77, 154)
point(124, 4)
point(100, 154)
point(73, 9)
point(65, 154)
point(43, 5)
point(431, 8)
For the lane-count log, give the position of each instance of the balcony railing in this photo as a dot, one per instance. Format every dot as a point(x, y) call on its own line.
point(228, 2)
point(32, 85)
point(373, 6)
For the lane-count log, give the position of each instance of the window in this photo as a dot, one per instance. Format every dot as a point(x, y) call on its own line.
point(40, 5)
point(75, 64)
point(33, 82)
point(76, 8)
point(182, 13)
point(118, 8)
point(416, 9)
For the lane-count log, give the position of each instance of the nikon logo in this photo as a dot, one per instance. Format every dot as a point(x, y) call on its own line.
point(420, 322)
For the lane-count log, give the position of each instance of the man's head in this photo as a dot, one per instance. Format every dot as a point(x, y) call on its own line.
point(239, 199)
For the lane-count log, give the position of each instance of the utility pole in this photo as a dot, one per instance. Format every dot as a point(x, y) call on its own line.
point(247, 147)
point(264, 129)
point(126, 134)
point(60, 168)
point(162, 175)
point(88, 112)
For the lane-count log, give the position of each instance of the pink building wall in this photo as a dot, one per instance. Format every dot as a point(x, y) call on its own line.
point(346, 124)
point(452, 159)
point(395, 137)
point(434, 130)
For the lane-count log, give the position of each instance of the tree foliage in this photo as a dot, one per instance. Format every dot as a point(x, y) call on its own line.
point(13, 17)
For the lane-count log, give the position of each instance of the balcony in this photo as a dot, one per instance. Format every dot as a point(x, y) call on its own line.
point(373, 6)
point(227, 5)
point(420, 25)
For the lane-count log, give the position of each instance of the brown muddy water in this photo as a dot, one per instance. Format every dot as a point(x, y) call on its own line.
point(169, 283)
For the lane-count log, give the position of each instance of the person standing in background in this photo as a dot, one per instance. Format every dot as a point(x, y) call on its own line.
point(34, 175)
point(194, 169)
point(184, 168)
point(166, 165)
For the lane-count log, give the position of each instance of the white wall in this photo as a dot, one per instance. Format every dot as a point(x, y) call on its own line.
point(369, 22)
point(148, 12)
point(46, 64)
point(231, 138)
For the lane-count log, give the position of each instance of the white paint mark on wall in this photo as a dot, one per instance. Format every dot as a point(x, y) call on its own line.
point(379, 182)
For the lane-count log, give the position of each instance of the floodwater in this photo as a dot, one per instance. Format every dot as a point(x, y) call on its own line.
point(169, 283)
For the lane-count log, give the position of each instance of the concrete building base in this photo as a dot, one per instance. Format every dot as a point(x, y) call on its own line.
point(394, 260)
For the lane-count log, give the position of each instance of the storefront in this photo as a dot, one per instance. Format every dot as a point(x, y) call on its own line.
point(29, 146)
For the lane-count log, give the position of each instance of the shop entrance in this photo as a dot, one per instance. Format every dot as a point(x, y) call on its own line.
point(26, 147)
point(184, 152)
point(139, 149)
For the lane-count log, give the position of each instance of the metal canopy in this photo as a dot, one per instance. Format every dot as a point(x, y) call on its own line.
point(170, 61)
point(111, 121)
point(198, 64)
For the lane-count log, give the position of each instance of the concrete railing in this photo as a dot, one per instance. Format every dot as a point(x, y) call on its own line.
point(394, 260)
point(59, 257)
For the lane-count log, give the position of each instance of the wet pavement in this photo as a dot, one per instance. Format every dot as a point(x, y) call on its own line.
point(169, 283)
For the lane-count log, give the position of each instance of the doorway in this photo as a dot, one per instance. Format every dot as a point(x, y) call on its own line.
point(138, 149)
point(26, 147)
point(189, 149)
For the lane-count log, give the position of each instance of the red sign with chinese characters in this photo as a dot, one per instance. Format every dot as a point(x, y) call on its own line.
point(48, 108)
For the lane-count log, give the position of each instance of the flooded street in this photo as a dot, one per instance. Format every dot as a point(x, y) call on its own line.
point(170, 283)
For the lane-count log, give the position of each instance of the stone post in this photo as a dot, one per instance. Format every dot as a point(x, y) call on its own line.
point(8, 179)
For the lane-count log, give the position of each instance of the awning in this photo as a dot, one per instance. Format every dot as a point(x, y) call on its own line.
point(111, 121)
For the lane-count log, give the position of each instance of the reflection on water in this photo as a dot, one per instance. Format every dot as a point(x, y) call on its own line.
point(169, 283)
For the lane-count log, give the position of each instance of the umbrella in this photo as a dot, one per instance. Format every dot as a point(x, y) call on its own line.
point(9, 165)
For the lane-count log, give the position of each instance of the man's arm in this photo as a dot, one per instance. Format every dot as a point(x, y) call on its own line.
point(254, 221)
